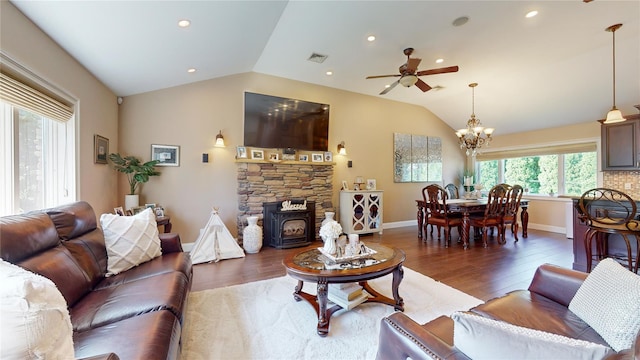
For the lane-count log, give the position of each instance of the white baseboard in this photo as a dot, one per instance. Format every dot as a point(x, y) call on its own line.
point(398, 224)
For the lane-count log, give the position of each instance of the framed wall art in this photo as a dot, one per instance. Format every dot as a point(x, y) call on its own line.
point(417, 158)
point(257, 154)
point(241, 152)
point(168, 155)
point(303, 157)
point(317, 157)
point(328, 156)
point(101, 150)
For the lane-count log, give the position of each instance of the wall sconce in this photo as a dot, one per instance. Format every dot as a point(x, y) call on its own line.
point(219, 140)
point(341, 149)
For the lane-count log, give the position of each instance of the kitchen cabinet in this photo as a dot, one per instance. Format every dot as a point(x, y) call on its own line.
point(621, 144)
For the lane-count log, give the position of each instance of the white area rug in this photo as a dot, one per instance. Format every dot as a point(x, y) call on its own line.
point(261, 320)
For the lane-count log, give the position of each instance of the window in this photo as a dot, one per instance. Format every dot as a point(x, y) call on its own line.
point(37, 166)
point(560, 173)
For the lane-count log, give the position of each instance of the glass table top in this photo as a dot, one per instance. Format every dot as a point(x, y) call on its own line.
point(314, 259)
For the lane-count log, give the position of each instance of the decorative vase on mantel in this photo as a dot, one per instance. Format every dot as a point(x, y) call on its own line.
point(131, 201)
point(252, 236)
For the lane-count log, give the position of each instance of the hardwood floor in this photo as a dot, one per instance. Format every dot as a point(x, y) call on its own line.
point(483, 273)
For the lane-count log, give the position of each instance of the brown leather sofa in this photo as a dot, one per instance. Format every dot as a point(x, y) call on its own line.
point(136, 314)
point(544, 306)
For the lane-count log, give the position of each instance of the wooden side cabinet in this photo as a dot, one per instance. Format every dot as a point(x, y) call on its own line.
point(361, 211)
point(621, 145)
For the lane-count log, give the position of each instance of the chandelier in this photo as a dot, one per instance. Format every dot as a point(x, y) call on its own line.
point(475, 135)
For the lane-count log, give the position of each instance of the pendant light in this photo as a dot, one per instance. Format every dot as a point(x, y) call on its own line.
point(614, 115)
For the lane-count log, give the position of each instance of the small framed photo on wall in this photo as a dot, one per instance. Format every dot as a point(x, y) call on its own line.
point(317, 158)
point(303, 157)
point(168, 155)
point(345, 185)
point(371, 184)
point(328, 156)
point(101, 150)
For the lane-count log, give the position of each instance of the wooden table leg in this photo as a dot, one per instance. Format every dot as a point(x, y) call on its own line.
point(398, 275)
point(397, 302)
point(420, 217)
point(524, 218)
point(465, 229)
point(323, 318)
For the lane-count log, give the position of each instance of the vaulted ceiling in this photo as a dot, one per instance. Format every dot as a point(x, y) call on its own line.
point(549, 70)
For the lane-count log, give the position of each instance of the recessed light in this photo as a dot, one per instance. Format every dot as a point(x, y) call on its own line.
point(387, 86)
point(438, 61)
point(184, 23)
point(329, 73)
point(191, 70)
point(532, 13)
point(371, 38)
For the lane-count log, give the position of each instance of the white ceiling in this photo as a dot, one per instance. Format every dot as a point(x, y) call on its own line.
point(550, 70)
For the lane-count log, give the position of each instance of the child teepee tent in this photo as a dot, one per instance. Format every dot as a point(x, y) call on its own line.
point(215, 242)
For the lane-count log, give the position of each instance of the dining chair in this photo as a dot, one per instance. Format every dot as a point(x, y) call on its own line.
point(492, 216)
point(452, 191)
point(614, 213)
point(439, 216)
point(510, 213)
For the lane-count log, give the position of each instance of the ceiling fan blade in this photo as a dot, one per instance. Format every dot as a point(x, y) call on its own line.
point(423, 86)
point(438, 71)
point(412, 65)
point(390, 87)
point(382, 76)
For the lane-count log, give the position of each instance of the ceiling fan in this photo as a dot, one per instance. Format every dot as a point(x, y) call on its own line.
point(409, 76)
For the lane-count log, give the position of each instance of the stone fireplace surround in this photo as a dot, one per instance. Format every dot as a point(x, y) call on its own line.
point(260, 182)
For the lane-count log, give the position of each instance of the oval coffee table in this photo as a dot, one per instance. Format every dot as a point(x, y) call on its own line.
point(313, 266)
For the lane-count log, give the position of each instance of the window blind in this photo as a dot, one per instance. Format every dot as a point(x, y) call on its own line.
point(21, 95)
point(538, 151)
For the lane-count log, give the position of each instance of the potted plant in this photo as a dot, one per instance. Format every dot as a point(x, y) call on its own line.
point(137, 173)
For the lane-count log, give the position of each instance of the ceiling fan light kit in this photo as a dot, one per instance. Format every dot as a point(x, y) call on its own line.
point(614, 115)
point(475, 136)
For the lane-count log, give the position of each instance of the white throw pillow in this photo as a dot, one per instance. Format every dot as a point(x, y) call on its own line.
point(34, 319)
point(609, 301)
point(130, 240)
point(482, 338)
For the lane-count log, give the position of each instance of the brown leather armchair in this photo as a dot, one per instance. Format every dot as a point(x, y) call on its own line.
point(543, 306)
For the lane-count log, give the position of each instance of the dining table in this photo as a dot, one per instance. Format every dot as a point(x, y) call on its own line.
point(467, 207)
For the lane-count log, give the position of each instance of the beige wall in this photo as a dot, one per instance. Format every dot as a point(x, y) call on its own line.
point(97, 111)
point(191, 115)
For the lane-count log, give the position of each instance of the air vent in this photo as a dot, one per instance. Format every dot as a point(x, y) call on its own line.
point(317, 58)
point(437, 87)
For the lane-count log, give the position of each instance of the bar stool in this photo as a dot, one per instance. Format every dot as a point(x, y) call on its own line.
point(617, 216)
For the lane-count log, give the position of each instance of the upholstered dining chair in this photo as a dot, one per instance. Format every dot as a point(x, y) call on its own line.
point(436, 199)
point(607, 212)
point(452, 191)
point(492, 217)
point(510, 213)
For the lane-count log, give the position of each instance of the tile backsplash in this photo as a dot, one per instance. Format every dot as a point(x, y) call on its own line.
point(617, 180)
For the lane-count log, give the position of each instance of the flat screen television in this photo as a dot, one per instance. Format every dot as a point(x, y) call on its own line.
point(280, 123)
